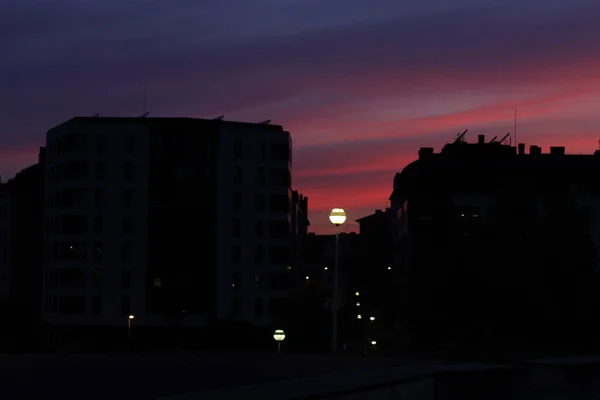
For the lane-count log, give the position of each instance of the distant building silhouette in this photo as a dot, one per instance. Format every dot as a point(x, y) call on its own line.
point(21, 254)
point(471, 242)
point(173, 220)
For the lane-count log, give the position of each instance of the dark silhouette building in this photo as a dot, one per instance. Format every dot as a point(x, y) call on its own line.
point(21, 255)
point(172, 220)
point(496, 244)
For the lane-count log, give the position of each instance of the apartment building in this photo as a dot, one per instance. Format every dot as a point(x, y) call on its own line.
point(166, 219)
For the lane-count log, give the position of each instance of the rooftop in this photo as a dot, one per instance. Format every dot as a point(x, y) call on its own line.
point(99, 120)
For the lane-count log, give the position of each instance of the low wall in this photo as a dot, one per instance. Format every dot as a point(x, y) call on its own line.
point(435, 382)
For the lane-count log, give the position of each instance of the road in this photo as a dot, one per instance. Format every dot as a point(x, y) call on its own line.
point(70, 377)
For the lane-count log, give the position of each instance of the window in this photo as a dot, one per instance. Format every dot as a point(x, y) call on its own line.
point(97, 251)
point(236, 254)
point(237, 227)
point(260, 228)
point(258, 307)
point(237, 175)
point(236, 281)
point(125, 305)
point(236, 307)
point(259, 254)
point(72, 277)
point(98, 224)
point(129, 144)
point(280, 152)
point(127, 225)
point(127, 251)
point(100, 144)
point(99, 172)
point(261, 153)
point(76, 144)
point(260, 202)
point(127, 198)
point(99, 198)
point(279, 203)
point(237, 201)
point(237, 149)
point(72, 305)
point(126, 278)
point(97, 305)
point(279, 229)
point(259, 283)
point(260, 176)
point(128, 171)
point(72, 251)
point(280, 177)
point(97, 278)
point(73, 224)
point(279, 255)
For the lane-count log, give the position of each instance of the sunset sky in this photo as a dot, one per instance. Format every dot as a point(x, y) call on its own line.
point(360, 84)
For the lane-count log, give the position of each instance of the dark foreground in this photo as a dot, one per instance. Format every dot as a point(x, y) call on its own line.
point(143, 376)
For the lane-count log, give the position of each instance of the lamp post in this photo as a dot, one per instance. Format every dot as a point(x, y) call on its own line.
point(279, 335)
point(129, 319)
point(337, 216)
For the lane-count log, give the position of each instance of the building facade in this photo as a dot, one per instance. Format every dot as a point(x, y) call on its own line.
point(477, 221)
point(21, 253)
point(172, 220)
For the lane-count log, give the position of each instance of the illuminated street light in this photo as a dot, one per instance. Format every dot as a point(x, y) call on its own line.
point(279, 335)
point(357, 294)
point(337, 216)
point(129, 319)
point(373, 342)
point(372, 318)
point(359, 316)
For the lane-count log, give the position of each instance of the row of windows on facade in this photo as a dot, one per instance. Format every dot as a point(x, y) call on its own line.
point(272, 177)
point(81, 251)
point(79, 278)
point(83, 224)
point(78, 305)
point(278, 203)
point(276, 229)
point(276, 254)
point(86, 144)
point(81, 197)
point(84, 170)
point(277, 151)
point(263, 280)
point(275, 306)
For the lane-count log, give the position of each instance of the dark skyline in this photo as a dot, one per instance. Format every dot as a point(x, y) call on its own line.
point(360, 85)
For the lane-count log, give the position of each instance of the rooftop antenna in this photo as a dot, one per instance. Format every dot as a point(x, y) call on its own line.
point(493, 139)
point(96, 115)
point(459, 138)
point(504, 138)
point(516, 143)
point(219, 118)
point(144, 115)
point(265, 122)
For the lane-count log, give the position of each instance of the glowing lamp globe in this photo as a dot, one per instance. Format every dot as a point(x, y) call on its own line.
point(337, 216)
point(279, 335)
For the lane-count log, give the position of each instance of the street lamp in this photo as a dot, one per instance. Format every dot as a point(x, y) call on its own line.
point(337, 216)
point(372, 318)
point(279, 335)
point(129, 319)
